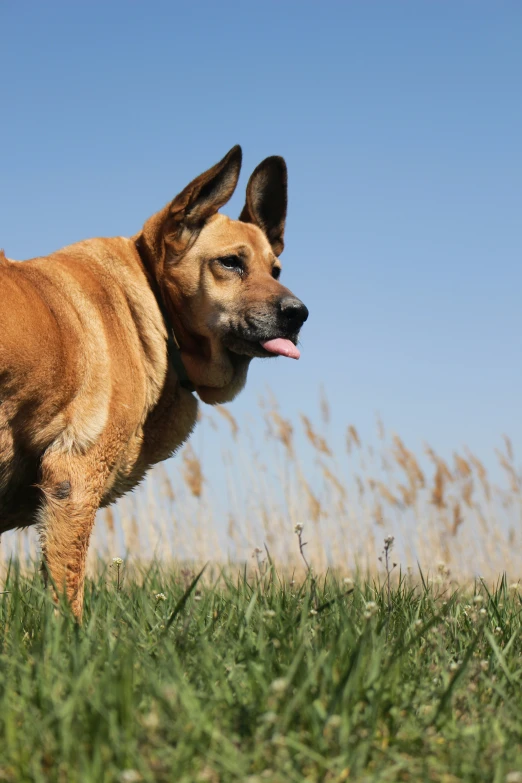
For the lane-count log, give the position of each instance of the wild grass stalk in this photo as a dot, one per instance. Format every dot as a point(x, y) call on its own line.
point(282, 471)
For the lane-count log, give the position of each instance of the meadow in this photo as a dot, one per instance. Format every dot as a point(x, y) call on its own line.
point(282, 602)
point(261, 678)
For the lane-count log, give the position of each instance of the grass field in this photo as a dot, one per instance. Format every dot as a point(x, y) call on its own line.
point(252, 676)
point(269, 673)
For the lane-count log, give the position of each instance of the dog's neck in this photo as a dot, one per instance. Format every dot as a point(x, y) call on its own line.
point(173, 347)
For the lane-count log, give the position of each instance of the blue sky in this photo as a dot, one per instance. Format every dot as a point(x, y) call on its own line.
point(401, 123)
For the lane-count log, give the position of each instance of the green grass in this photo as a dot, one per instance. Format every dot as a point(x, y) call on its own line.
point(260, 680)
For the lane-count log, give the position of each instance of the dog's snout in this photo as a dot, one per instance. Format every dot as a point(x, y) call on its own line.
point(293, 311)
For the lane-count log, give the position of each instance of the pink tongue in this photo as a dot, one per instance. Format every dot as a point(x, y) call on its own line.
point(282, 347)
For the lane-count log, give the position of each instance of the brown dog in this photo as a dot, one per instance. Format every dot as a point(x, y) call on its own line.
point(103, 342)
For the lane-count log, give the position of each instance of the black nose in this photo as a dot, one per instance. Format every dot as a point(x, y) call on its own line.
point(293, 312)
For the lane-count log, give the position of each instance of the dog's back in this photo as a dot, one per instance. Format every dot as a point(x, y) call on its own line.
point(73, 357)
point(30, 386)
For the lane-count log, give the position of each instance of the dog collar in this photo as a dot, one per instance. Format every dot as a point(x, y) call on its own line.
point(174, 351)
point(173, 348)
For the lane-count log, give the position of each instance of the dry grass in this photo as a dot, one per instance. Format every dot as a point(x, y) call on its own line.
point(257, 483)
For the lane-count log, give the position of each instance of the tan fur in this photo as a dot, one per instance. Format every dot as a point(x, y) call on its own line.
point(88, 399)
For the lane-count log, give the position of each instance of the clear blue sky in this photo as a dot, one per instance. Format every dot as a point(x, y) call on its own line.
point(401, 123)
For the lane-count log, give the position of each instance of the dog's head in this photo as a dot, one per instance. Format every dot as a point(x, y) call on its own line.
point(220, 277)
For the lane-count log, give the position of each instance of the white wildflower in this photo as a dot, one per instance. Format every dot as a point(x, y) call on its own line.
point(269, 717)
point(130, 776)
point(279, 686)
point(334, 721)
point(371, 609)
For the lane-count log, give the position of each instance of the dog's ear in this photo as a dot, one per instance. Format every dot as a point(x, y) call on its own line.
point(170, 232)
point(266, 200)
point(207, 193)
point(203, 197)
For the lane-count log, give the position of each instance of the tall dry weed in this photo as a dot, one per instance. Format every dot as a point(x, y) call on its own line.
point(274, 474)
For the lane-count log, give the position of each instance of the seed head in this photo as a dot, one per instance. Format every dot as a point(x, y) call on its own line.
point(443, 569)
point(298, 528)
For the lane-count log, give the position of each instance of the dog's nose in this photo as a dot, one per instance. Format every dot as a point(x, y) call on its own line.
point(293, 311)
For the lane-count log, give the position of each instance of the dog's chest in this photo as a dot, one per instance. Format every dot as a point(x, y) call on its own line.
point(166, 428)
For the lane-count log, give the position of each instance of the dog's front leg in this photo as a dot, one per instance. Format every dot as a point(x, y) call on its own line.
point(71, 490)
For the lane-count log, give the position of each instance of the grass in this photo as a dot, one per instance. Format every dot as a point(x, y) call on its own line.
point(255, 677)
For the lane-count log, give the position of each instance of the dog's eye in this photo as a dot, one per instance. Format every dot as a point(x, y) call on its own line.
point(276, 272)
point(234, 263)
